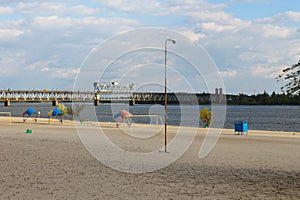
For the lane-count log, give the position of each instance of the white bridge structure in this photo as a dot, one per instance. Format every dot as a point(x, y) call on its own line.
point(109, 92)
point(53, 96)
point(102, 92)
point(113, 88)
point(112, 93)
point(45, 95)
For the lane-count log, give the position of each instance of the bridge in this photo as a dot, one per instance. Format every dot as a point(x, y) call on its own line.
point(55, 96)
point(112, 93)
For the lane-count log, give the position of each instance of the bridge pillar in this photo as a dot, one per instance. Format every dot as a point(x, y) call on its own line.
point(7, 103)
point(96, 99)
point(54, 102)
point(131, 102)
point(96, 102)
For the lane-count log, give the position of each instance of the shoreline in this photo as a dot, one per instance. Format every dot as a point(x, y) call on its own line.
point(279, 118)
point(54, 121)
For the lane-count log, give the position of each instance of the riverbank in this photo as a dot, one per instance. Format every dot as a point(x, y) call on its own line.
point(275, 118)
point(53, 121)
point(52, 163)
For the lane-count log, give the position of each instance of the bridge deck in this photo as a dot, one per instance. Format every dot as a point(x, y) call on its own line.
point(109, 96)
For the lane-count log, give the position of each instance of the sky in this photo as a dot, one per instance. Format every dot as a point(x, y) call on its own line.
point(48, 44)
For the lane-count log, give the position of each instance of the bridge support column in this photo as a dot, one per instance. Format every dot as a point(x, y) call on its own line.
point(131, 102)
point(54, 102)
point(97, 99)
point(96, 102)
point(7, 103)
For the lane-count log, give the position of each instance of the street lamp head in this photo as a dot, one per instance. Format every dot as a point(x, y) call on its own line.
point(174, 41)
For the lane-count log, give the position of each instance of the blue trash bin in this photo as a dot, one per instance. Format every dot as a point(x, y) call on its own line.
point(241, 127)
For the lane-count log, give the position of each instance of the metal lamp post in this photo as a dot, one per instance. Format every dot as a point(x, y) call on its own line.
point(173, 41)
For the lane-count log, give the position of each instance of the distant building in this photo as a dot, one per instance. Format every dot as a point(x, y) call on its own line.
point(216, 91)
point(219, 91)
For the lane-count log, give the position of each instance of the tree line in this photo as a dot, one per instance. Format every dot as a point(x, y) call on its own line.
point(290, 96)
point(265, 99)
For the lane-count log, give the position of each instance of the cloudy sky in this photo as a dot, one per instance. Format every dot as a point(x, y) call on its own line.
point(43, 44)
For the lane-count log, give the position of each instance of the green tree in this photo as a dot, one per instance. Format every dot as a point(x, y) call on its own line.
point(292, 76)
point(62, 108)
point(206, 116)
point(75, 112)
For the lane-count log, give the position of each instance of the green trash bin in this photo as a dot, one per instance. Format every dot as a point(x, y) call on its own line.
point(28, 131)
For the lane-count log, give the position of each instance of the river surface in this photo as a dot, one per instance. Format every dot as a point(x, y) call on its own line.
point(276, 118)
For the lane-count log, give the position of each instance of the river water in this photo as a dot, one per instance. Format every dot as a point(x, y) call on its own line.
point(277, 118)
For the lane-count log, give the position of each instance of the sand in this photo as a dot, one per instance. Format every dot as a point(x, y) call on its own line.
point(52, 163)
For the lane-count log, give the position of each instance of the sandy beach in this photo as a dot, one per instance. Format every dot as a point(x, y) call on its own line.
point(52, 163)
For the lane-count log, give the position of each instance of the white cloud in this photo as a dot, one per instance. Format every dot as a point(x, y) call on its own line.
point(45, 69)
point(191, 34)
point(12, 23)
point(229, 73)
point(265, 1)
point(282, 18)
point(5, 10)
point(11, 67)
point(54, 37)
point(9, 34)
point(62, 9)
point(267, 72)
point(53, 8)
point(37, 65)
point(208, 16)
point(275, 31)
point(52, 22)
point(65, 73)
point(134, 6)
point(213, 26)
point(191, 8)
